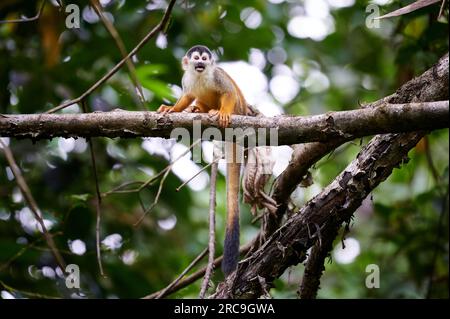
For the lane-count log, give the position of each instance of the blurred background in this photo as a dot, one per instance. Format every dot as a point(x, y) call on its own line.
point(288, 57)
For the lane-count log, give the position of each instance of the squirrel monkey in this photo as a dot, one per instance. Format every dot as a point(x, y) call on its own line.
point(215, 93)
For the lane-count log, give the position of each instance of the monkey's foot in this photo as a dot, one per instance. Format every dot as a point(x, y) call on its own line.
point(224, 119)
point(165, 109)
point(213, 113)
point(196, 109)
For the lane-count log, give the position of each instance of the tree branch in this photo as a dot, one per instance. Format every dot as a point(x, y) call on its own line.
point(315, 264)
point(31, 202)
point(212, 231)
point(181, 283)
point(123, 51)
point(387, 118)
point(197, 259)
point(333, 206)
point(34, 18)
point(432, 85)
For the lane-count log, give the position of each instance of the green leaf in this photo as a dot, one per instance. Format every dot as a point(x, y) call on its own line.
point(150, 70)
point(80, 197)
point(159, 88)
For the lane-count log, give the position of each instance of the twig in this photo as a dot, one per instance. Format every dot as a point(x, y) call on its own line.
point(18, 254)
point(36, 17)
point(416, 5)
point(98, 199)
point(118, 189)
point(97, 208)
point(168, 167)
point(161, 183)
point(31, 294)
point(161, 26)
point(429, 158)
point(441, 10)
point(24, 249)
point(195, 276)
point(164, 172)
point(25, 190)
point(212, 230)
point(188, 268)
point(118, 40)
point(444, 209)
point(141, 202)
point(196, 174)
point(155, 177)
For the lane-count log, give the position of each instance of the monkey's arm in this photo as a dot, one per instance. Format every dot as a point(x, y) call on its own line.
point(181, 104)
point(227, 107)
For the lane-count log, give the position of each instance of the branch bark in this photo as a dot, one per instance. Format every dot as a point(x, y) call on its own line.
point(432, 85)
point(315, 264)
point(387, 118)
point(266, 261)
point(328, 210)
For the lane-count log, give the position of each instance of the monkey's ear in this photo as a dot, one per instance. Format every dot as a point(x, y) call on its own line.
point(214, 57)
point(185, 63)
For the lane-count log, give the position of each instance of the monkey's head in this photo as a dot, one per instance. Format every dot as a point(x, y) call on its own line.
point(198, 59)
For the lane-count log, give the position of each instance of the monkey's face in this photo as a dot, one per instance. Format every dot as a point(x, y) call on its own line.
point(197, 59)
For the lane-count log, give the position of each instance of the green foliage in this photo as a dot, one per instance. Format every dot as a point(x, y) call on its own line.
point(403, 229)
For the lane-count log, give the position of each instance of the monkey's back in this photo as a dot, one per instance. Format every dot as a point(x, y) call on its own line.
point(241, 106)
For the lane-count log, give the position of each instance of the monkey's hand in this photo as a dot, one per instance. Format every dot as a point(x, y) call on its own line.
point(165, 109)
point(213, 113)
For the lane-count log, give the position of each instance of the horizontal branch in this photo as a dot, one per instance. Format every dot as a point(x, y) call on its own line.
point(388, 118)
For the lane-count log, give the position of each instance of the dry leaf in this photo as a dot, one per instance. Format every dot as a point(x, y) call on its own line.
point(256, 175)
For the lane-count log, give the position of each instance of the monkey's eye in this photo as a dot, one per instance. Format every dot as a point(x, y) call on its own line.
point(204, 58)
point(196, 57)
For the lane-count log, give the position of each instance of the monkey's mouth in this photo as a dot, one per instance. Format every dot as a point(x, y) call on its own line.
point(200, 67)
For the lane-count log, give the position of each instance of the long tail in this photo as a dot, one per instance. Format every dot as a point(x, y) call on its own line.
point(231, 244)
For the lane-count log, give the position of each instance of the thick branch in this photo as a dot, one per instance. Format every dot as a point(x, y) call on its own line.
point(334, 205)
point(315, 264)
point(388, 118)
point(432, 85)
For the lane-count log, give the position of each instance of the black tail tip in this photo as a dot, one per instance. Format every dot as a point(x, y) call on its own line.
point(228, 265)
point(230, 251)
